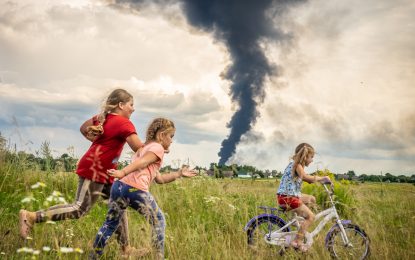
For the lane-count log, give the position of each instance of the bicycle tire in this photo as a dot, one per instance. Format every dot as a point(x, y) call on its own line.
point(360, 248)
point(257, 230)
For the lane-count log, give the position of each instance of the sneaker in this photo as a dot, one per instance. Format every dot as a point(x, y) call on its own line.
point(24, 224)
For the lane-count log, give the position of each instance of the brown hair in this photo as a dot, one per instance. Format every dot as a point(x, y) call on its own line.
point(112, 102)
point(301, 152)
point(156, 126)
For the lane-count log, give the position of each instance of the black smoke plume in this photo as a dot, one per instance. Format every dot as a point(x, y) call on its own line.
point(242, 25)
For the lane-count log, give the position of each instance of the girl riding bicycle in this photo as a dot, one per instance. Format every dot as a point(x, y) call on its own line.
point(289, 192)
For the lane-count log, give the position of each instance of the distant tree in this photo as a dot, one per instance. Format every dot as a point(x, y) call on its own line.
point(235, 170)
point(390, 177)
point(46, 152)
point(166, 168)
point(351, 174)
point(267, 173)
point(212, 166)
point(67, 162)
point(260, 173)
point(363, 178)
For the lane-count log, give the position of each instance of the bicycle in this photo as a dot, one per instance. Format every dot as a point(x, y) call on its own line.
point(343, 240)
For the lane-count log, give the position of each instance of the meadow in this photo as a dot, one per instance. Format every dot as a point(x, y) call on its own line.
point(205, 218)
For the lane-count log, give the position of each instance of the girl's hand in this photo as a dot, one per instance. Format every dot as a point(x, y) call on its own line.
point(325, 180)
point(93, 132)
point(116, 173)
point(186, 172)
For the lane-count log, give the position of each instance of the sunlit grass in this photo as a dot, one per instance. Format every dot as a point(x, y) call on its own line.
point(205, 218)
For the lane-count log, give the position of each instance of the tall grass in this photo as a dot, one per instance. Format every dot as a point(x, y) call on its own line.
point(205, 217)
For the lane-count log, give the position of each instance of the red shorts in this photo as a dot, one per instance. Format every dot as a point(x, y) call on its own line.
point(290, 202)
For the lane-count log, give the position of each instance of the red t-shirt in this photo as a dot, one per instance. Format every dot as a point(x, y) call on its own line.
point(106, 149)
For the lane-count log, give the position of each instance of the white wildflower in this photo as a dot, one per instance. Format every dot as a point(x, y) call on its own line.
point(51, 222)
point(37, 185)
point(66, 249)
point(232, 207)
point(211, 199)
point(28, 199)
point(36, 252)
point(56, 193)
point(25, 250)
point(62, 199)
point(46, 248)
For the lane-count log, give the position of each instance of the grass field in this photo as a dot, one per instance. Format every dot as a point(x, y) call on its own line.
point(205, 218)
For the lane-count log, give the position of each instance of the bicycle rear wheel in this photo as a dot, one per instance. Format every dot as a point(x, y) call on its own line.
point(258, 235)
point(358, 247)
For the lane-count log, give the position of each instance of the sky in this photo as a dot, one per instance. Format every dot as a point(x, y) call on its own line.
point(336, 74)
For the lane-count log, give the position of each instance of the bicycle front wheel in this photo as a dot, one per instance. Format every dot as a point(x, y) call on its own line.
point(358, 247)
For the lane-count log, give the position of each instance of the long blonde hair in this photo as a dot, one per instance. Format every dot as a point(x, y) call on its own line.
point(112, 102)
point(156, 126)
point(302, 151)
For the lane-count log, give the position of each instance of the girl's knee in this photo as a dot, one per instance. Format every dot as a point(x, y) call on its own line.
point(312, 217)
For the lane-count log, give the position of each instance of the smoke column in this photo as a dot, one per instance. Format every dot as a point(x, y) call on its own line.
point(241, 25)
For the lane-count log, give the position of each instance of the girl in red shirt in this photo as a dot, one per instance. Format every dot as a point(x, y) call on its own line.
point(108, 132)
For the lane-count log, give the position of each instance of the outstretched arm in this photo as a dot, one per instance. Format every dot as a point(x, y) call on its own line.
point(172, 176)
point(140, 163)
point(310, 179)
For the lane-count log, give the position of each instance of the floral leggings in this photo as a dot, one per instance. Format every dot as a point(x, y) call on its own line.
point(122, 196)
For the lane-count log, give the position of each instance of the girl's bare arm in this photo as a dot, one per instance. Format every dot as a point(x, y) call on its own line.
point(308, 178)
point(142, 162)
point(172, 176)
point(134, 142)
point(84, 131)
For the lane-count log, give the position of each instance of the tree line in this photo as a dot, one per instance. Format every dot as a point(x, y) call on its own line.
point(43, 160)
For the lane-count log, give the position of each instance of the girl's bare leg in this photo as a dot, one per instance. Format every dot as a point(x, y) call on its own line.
point(308, 216)
point(308, 200)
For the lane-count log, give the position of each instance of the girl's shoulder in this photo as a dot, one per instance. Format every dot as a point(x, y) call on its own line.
point(153, 146)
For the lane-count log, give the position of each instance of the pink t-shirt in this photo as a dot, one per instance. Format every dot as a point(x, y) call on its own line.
point(143, 178)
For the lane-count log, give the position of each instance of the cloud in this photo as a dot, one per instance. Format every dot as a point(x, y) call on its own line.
point(344, 82)
point(60, 61)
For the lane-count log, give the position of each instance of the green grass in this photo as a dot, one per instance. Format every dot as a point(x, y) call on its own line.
point(205, 217)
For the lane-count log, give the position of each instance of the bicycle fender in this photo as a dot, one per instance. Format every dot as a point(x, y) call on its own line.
point(344, 222)
point(273, 218)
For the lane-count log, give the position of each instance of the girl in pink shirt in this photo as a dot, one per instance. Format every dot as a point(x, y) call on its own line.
point(133, 187)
